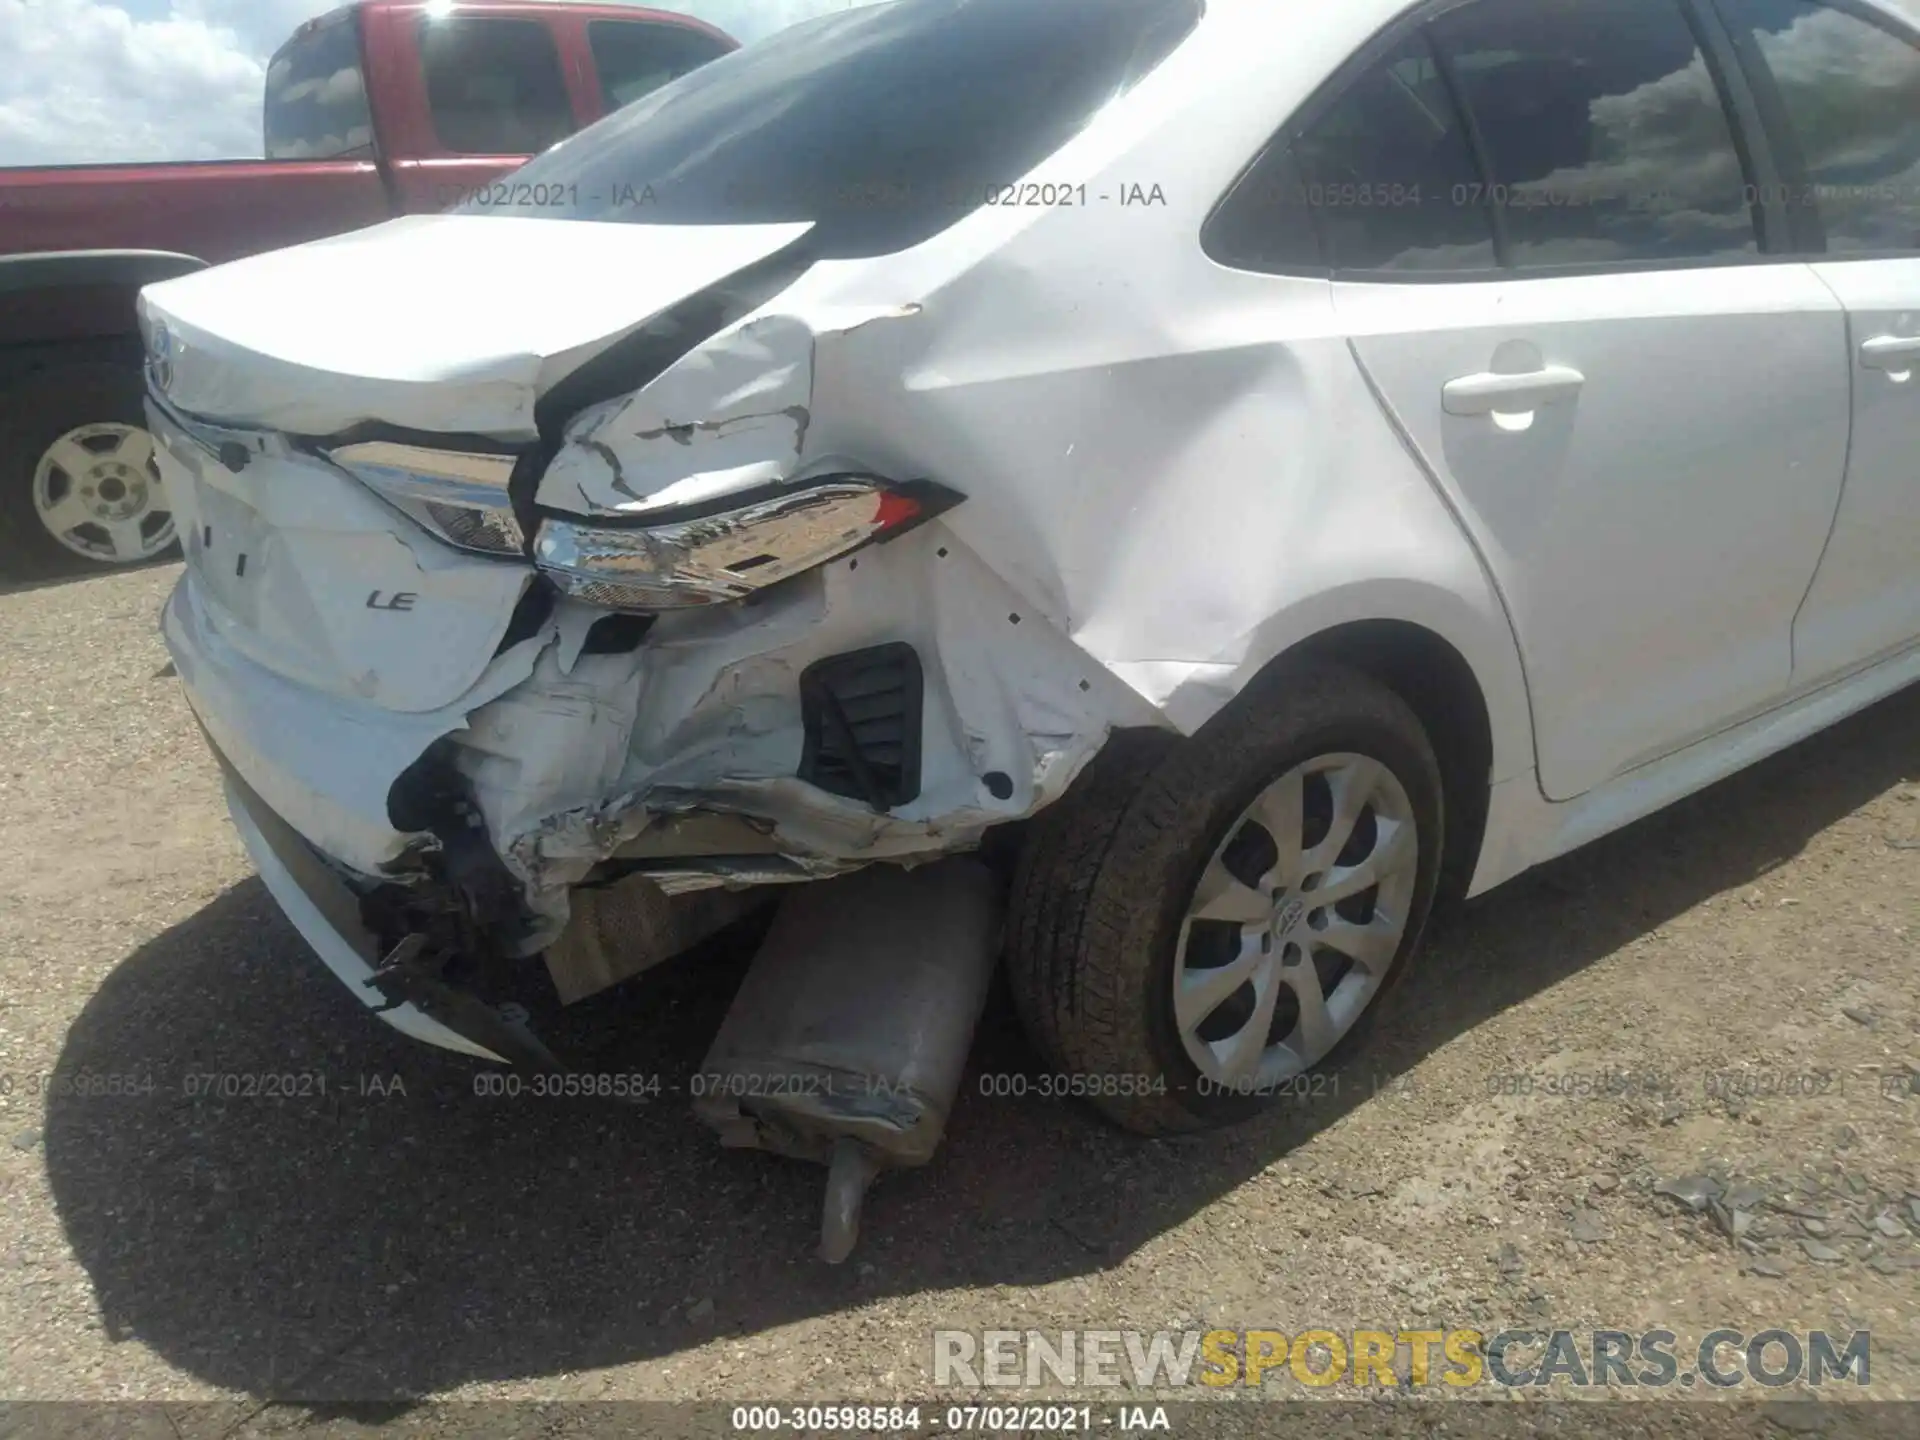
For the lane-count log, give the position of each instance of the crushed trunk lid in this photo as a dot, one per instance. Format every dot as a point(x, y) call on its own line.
point(454, 324)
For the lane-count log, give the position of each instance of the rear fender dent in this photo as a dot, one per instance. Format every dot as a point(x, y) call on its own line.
point(734, 412)
point(730, 414)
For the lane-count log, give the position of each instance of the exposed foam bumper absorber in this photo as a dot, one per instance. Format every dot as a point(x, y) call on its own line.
point(849, 1035)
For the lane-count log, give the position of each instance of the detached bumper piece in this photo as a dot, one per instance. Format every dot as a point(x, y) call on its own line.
point(846, 1042)
point(399, 951)
point(414, 973)
point(407, 988)
point(861, 713)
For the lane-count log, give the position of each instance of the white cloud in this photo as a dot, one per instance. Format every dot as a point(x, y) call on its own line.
point(87, 81)
point(262, 26)
point(131, 80)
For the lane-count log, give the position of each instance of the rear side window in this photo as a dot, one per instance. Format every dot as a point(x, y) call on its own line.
point(316, 100)
point(1849, 94)
point(1604, 132)
point(494, 86)
point(1514, 133)
point(883, 126)
point(1389, 173)
point(634, 59)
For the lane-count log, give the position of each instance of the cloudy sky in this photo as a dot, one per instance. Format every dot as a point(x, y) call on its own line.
point(102, 80)
point(92, 80)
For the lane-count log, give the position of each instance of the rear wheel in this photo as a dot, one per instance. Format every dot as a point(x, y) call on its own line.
point(1230, 912)
point(79, 487)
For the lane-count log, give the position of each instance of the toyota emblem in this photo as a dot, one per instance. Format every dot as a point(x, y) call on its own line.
point(160, 358)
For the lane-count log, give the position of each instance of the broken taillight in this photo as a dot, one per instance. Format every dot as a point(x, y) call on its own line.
point(460, 495)
point(711, 559)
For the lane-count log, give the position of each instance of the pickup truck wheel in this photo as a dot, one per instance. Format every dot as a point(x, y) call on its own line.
point(79, 489)
point(1231, 911)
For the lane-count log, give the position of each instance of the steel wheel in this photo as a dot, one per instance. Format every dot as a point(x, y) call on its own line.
point(97, 492)
point(1296, 921)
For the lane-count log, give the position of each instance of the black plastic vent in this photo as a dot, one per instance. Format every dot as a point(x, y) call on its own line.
point(862, 716)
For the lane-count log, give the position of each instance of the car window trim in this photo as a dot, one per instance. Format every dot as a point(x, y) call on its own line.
point(1772, 222)
point(1749, 137)
point(380, 115)
point(1809, 241)
point(1581, 270)
point(1476, 139)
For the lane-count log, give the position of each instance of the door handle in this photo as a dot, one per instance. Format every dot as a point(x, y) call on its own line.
point(1891, 352)
point(1488, 393)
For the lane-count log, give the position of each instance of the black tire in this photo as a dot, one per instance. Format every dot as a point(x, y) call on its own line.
point(34, 414)
point(1109, 873)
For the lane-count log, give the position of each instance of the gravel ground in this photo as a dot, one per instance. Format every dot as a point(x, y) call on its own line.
point(1746, 958)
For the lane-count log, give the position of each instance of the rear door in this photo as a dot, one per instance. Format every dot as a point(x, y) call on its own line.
point(1839, 84)
point(1549, 253)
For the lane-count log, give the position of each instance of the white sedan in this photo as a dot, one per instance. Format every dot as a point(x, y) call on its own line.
point(1307, 460)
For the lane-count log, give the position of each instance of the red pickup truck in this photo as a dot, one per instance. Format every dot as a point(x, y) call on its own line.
point(381, 108)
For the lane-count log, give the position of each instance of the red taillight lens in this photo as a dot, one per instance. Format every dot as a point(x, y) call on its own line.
point(895, 510)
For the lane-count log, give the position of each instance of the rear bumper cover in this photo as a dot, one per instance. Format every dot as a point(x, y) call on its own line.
point(280, 749)
point(326, 912)
point(323, 760)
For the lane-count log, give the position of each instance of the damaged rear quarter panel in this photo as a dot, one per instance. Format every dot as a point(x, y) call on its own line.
point(1184, 492)
point(1174, 472)
point(749, 391)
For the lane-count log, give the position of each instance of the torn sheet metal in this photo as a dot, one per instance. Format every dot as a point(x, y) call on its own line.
point(704, 718)
point(731, 415)
point(1111, 564)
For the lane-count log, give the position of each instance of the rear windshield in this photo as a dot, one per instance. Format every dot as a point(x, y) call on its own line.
point(316, 105)
point(882, 125)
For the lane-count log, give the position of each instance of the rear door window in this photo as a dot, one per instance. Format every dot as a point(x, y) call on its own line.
point(634, 59)
point(1848, 92)
point(1604, 131)
point(316, 98)
point(1527, 134)
point(494, 87)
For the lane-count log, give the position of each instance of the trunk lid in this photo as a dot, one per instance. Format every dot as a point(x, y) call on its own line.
point(454, 324)
point(303, 570)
